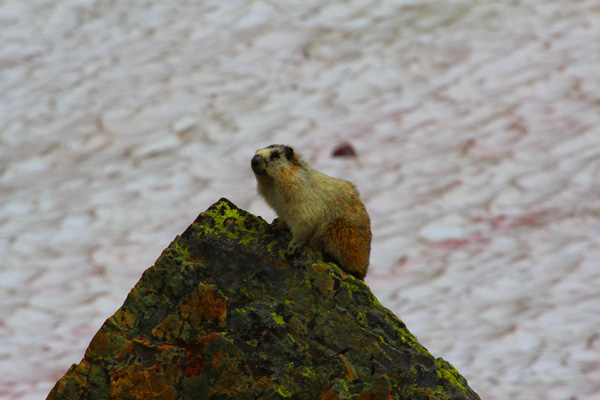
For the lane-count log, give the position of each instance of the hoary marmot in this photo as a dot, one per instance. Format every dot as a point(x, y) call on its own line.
point(324, 212)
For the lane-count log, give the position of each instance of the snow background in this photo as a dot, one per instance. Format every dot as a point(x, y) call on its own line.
point(477, 127)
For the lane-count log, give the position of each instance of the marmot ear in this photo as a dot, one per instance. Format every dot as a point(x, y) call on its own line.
point(289, 152)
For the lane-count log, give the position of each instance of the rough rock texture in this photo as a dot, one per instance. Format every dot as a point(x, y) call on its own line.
point(224, 315)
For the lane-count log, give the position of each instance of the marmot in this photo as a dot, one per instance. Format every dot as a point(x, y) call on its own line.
point(324, 212)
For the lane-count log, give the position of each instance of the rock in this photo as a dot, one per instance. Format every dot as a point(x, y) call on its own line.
point(344, 150)
point(223, 314)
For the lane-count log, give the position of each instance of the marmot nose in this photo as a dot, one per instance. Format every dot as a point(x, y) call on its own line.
point(255, 161)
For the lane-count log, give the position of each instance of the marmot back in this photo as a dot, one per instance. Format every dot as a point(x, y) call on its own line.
point(324, 212)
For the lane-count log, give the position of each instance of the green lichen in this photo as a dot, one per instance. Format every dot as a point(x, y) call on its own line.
point(309, 372)
point(282, 253)
point(182, 250)
point(283, 391)
point(405, 334)
point(278, 319)
point(449, 373)
point(342, 387)
point(224, 216)
point(270, 246)
point(244, 293)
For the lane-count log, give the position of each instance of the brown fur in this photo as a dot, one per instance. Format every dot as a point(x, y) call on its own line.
point(324, 212)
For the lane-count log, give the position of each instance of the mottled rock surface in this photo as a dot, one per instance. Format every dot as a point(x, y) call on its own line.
point(224, 315)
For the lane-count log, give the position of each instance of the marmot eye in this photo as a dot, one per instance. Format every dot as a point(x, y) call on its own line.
point(274, 156)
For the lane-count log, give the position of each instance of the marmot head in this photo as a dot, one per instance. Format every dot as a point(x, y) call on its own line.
point(273, 159)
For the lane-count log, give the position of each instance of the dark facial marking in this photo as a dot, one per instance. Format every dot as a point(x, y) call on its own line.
point(274, 156)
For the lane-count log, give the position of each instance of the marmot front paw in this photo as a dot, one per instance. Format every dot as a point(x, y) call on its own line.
point(278, 226)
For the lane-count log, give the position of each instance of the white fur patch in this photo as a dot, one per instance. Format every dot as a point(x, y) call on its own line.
point(264, 153)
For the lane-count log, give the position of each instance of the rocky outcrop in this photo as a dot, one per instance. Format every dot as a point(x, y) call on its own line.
point(223, 314)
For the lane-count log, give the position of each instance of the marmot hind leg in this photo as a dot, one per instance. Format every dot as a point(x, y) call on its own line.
point(350, 245)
